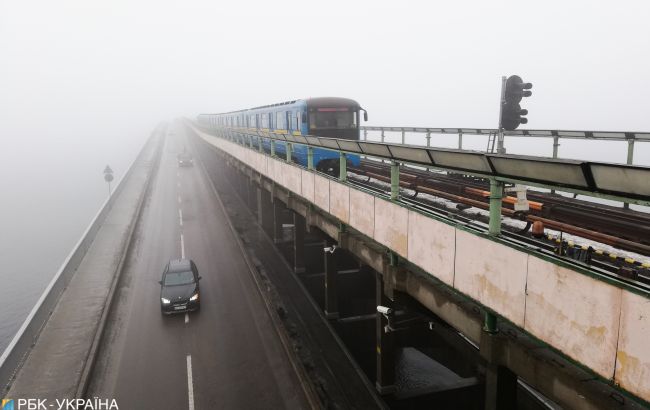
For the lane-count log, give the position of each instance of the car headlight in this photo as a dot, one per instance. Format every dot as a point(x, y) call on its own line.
point(164, 301)
point(194, 297)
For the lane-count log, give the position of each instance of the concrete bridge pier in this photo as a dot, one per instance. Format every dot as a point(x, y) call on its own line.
point(299, 231)
point(330, 262)
point(500, 381)
point(278, 212)
point(264, 210)
point(251, 195)
point(385, 348)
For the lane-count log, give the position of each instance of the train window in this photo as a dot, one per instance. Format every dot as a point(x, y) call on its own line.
point(332, 118)
point(265, 121)
point(280, 120)
point(295, 119)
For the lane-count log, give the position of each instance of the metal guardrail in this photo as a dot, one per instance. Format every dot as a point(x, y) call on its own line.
point(630, 137)
point(20, 346)
point(575, 134)
point(625, 183)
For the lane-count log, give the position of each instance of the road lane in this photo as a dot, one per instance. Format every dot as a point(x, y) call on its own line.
point(236, 360)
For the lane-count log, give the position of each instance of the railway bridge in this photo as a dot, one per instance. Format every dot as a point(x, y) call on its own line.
point(363, 290)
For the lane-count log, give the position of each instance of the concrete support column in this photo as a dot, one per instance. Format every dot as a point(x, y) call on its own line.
point(278, 210)
point(252, 196)
point(385, 349)
point(331, 272)
point(243, 186)
point(299, 229)
point(500, 388)
point(264, 210)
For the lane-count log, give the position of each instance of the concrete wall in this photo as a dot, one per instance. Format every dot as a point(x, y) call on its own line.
point(600, 325)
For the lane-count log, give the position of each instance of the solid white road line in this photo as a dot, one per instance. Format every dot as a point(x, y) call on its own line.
point(187, 317)
point(182, 247)
point(180, 217)
point(179, 199)
point(190, 384)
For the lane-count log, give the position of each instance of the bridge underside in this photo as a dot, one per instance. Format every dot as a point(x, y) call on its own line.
point(503, 359)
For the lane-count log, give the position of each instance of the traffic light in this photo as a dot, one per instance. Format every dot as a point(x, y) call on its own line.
point(511, 112)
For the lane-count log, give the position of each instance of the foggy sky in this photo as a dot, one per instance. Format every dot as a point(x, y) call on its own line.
point(83, 83)
point(408, 62)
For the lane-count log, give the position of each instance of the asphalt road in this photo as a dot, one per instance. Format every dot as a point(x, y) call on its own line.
point(225, 356)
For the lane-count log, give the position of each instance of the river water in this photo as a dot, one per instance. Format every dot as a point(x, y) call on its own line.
point(51, 187)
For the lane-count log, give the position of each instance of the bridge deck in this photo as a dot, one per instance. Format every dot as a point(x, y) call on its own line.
point(593, 320)
point(54, 366)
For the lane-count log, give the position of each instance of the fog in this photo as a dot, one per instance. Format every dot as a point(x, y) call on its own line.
point(83, 83)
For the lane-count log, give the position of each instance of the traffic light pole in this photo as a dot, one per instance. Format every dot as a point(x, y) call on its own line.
point(500, 148)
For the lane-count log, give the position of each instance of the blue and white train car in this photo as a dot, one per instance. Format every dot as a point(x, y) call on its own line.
point(331, 117)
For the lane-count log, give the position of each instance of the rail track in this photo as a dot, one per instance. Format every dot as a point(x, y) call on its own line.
point(565, 226)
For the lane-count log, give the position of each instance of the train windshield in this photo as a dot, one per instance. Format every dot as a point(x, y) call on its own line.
point(332, 118)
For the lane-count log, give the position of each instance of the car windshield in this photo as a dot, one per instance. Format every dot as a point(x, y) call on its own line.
point(179, 278)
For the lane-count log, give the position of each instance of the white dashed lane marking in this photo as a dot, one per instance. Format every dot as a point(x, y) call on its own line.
point(190, 383)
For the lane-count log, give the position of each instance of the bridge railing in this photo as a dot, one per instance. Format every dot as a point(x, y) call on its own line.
point(618, 182)
point(370, 133)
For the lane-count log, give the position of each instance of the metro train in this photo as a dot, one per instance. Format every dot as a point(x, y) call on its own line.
point(331, 117)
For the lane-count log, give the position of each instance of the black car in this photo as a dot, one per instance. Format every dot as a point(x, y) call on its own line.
point(179, 287)
point(185, 159)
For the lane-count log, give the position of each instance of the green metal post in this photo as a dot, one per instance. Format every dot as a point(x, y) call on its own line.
point(630, 151)
point(630, 160)
point(496, 194)
point(310, 158)
point(556, 145)
point(393, 258)
point(490, 324)
point(394, 180)
point(272, 147)
point(259, 144)
point(288, 151)
point(343, 167)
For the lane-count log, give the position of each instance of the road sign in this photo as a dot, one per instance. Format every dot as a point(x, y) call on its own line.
point(108, 177)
